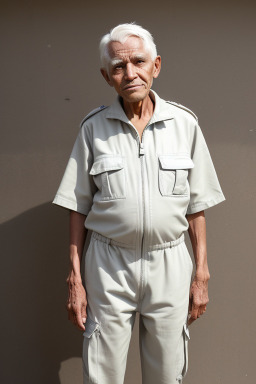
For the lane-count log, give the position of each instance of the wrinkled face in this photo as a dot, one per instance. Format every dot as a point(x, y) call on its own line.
point(131, 69)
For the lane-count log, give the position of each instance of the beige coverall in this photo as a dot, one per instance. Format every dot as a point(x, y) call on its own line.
point(135, 196)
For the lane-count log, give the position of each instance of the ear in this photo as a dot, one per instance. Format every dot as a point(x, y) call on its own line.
point(106, 76)
point(157, 66)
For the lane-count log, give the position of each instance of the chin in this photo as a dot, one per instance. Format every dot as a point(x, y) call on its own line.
point(135, 97)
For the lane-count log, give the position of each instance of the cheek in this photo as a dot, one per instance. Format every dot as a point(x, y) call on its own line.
point(147, 76)
point(117, 79)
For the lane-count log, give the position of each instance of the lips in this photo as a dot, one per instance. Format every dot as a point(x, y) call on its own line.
point(132, 86)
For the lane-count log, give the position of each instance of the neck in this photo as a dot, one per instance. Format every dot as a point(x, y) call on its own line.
point(139, 110)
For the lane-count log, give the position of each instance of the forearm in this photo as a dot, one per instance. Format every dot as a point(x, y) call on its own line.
point(76, 304)
point(197, 234)
point(77, 235)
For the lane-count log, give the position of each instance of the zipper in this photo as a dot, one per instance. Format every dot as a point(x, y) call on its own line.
point(142, 245)
point(141, 150)
point(142, 249)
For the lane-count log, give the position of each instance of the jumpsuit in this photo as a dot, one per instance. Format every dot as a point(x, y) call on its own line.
point(136, 194)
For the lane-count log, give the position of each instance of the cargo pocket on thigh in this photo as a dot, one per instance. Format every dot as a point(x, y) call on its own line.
point(91, 351)
point(184, 365)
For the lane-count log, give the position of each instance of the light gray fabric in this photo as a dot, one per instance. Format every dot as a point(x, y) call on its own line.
point(126, 195)
point(119, 283)
point(136, 195)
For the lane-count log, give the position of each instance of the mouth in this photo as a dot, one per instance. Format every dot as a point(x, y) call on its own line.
point(132, 87)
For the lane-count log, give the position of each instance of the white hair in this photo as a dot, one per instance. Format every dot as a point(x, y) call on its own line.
point(121, 33)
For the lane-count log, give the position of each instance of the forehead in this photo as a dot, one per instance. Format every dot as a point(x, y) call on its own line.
point(132, 46)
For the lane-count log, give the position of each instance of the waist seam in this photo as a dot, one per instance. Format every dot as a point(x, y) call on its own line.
point(167, 244)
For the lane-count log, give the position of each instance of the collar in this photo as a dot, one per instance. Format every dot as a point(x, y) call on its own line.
point(162, 110)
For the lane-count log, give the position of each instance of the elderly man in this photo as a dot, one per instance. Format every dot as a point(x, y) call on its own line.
point(140, 175)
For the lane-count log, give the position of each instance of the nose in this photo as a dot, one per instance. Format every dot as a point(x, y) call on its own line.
point(130, 72)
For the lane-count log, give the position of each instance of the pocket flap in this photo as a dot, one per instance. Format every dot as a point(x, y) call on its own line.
point(176, 162)
point(90, 327)
point(107, 163)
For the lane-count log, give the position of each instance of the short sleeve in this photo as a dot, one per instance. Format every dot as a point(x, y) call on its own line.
point(76, 189)
point(205, 190)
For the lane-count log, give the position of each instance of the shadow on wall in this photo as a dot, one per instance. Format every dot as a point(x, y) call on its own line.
point(39, 344)
point(36, 336)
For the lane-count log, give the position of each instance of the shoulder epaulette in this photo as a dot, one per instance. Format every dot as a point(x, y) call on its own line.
point(92, 113)
point(184, 108)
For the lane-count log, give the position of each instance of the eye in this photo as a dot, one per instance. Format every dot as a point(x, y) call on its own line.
point(118, 66)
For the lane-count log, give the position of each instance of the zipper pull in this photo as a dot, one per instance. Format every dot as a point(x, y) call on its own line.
point(142, 151)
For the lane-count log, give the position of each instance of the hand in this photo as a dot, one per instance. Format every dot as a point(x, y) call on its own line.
point(198, 297)
point(76, 303)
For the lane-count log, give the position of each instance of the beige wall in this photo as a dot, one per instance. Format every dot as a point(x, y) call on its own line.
point(50, 80)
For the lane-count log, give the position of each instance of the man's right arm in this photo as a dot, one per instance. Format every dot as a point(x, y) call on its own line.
point(76, 303)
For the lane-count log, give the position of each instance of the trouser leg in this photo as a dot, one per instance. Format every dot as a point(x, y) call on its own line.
point(105, 353)
point(111, 300)
point(164, 309)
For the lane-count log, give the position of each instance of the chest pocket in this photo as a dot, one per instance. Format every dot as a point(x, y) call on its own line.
point(109, 176)
point(173, 174)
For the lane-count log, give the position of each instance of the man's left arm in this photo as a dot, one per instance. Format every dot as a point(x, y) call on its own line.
point(199, 287)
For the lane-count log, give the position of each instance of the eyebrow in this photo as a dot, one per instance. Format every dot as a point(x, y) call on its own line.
point(114, 62)
point(137, 56)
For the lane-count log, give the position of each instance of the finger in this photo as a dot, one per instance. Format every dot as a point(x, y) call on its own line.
point(79, 321)
point(190, 320)
point(68, 307)
point(190, 300)
point(190, 304)
point(70, 311)
point(194, 312)
point(83, 314)
point(202, 309)
point(73, 318)
point(70, 314)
